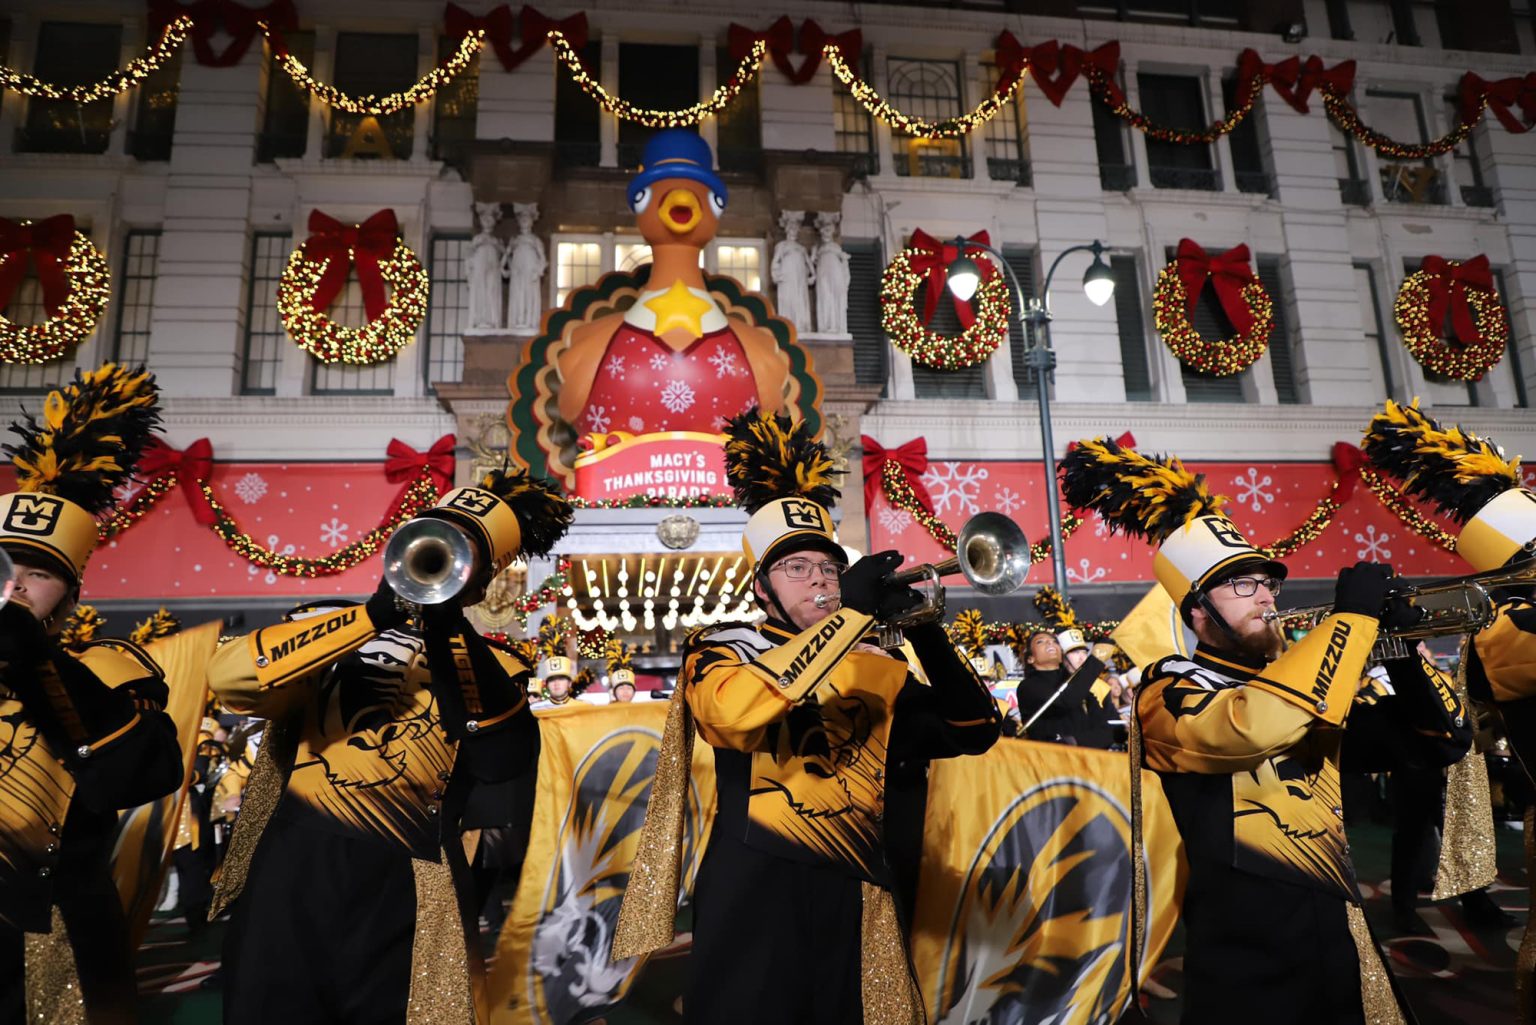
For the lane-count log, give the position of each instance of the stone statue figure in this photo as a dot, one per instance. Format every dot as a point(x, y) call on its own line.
point(483, 270)
point(831, 278)
point(792, 273)
point(525, 265)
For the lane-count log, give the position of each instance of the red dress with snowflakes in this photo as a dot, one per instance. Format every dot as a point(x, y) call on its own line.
point(643, 385)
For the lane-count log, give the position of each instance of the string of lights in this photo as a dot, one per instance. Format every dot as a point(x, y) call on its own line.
point(117, 82)
point(378, 106)
point(750, 66)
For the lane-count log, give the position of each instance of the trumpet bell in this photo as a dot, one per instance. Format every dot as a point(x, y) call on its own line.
point(7, 576)
point(993, 553)
point(429, 561)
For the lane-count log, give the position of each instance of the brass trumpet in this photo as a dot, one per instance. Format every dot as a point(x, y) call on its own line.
point(991, 552)
point(430, 561)
point(1448, 606)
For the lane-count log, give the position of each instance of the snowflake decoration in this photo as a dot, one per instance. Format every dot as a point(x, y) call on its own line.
point(636, 424)
point(676, 396)
point(1528, 477)
point(1086, 573)
point(334, 532)
point(725, 363)
point(658, 361)
point(616, 366)
point(251, 488)
point(1006, 501)
point(276, 546)
point(1250, 489)
point(1373, 546)
point(954, 484)
point(598, 419)
point(894, 521)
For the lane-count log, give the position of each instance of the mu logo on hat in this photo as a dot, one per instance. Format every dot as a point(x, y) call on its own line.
point(802, 514)
point(473, 501)
point(32, 514)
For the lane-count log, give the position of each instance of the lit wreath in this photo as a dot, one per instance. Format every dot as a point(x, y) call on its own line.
point(1462, 361)
point(899, 317)
point(376, 341)
point(90, 285)
point(1223, 357)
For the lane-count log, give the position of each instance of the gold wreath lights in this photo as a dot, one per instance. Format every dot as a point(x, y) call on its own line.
point(376, 341)
point(900, 319)
point(1462, 361)
point(90, 286)
point(1221, 357)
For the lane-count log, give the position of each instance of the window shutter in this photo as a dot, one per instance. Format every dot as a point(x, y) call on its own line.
point(865, 267)
point(1022, 263)
point(1280, 354)
point(1211, 322)
point(928, 383)
point(1133, 331)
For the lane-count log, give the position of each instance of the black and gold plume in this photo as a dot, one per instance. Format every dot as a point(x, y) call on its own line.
point(767, 457)
point(160, 624)
point(89, 437)
point(552, 634)
point(619, 655)
point(969, 633)
point(81, 627)
point(1457, 471)
point(1136, 495)
point(1058, 613)
point(543, 514)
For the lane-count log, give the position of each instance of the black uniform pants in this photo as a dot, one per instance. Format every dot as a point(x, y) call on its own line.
point(322, 932)
point(1264, 952)
point(775, 942)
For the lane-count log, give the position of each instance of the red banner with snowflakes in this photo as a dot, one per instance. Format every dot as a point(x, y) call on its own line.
point(1269, 501)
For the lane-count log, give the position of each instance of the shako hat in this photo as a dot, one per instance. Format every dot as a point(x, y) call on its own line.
point(782, 476)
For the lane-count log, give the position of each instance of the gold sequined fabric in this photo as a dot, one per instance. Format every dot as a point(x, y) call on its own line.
point(649, 910)
point(1375, 981)
point(1467, 857)
point(269, 776)
point(441, 990)
point(53, 985)
point(891, 996)
point(1525, 960)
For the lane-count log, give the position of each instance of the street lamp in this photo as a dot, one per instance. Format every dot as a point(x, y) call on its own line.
point(964, 277)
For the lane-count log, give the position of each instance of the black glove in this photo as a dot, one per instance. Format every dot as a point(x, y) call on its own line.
point(1362, 588)
point(384, 608)
point(1400, 613)
point(21, 635)
point(865, 589)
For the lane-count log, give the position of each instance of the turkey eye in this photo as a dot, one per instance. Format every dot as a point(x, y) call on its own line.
point(718, 202)
point(640, 200)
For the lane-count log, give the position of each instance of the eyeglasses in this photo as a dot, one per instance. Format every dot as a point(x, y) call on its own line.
point(1247, 587)
point(800, 569)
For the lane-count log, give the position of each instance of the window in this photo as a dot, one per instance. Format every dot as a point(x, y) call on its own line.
point(865, 266)
point(577, 263)
point(453, 112)
point(135, 297)
point(1371, 324)
point(581, 260)
point(1116, 172)
point(265, 339)
point(742, 262)
point(1187, 12)
point(578, 119)
point(71, 53)
point(1354, 190)
point(1022, 263)
point(1175, 101)
point(928, 89)
point(1466, 168)
point(1248, 165)
point(341, 379)
point(1400, 115)
point(1485, 27)
point(927, 383)
point(26, 308)
point(447, 310)
point(373, 64)
point(1281, 345)
point(1338, 20)
point(854, 127)
point(1514, 367)
point(285, 122)
point(1007, 138)
point(1132, 329)
point(1211, 321)
point(154, 119)
point(1440, 390)
point(1404, 31)
point(658, 77)
point(739, 128)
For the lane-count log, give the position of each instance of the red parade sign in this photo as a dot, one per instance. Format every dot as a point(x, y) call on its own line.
point(671, 464)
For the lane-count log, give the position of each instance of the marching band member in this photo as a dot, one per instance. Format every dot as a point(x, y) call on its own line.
point(85, 733)
point(346, 858)
point(621, 671)
point(1248, 739)
point(794, 918)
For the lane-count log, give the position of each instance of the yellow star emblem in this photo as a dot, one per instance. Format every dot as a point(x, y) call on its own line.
point(679, 308)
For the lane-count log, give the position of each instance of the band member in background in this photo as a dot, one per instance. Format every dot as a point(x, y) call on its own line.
point(1248, 739)
point(621, 671)
point(84, 731)
point(347, 859)
point(793, 902)
point(556, 678)
point(1054, 702)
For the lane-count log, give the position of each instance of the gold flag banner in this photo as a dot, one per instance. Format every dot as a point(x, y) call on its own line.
point(1153, 629)
point(1024, 901)
point(596, 765)
point(141, 849)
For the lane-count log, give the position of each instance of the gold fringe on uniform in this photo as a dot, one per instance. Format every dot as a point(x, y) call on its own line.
point(52, 982)
point(442, 992)
point(1375, 978)
point(1138, 855)
point(1467, 855)
point(1525, 960)
point(264, 788)
point(891, 997)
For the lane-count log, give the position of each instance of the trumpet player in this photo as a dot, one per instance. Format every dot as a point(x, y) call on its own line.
point(794, 914)
point(1248, 738)
point(346, 869)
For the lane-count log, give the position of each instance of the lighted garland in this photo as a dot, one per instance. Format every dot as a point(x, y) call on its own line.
point(1398, 506)
point(721, 98)
point(1223, 357)
point(1041, 549)
point(949, 128)
point(899, 318)
point(1464, 362)
point(136, 508)
point(655, 502)
point(899, 493)
point(1115, 101)
point(1317, 521)
point(90, 286)
point(545, 594)
point(376, 341)
point(419, 92)
point(1343, 114)
point(117, 82)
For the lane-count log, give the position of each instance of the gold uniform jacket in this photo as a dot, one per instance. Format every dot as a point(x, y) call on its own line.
point(82, 735)
point(1501, 667)
point(369, 726)
point(1249, 754)
point(804, 727)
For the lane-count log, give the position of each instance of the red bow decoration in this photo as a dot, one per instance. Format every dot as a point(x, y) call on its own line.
point(1347, 460)
point(1229, 272)
point(45, 244)
point(192, 467)
point(239, 23)
point(1012, 60)
point(911, 457)
point(780, 37)
point(404, 464)
point(1338, 80)
point(1500, 97)
point(1056, 66)
point(1126, 440)
point(932, 259)
point(1448, 286)
point(342, 245)
point(1283, 76)
point(534, 24)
